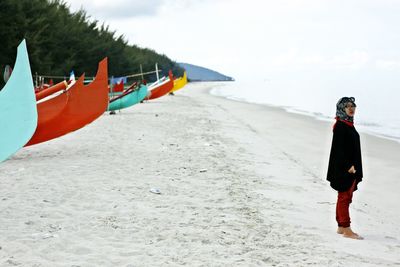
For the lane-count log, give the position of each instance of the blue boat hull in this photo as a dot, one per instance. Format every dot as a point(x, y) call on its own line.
point(128, 100)
point(18, 111)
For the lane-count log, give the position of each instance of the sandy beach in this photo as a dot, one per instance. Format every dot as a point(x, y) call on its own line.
point(240, 185)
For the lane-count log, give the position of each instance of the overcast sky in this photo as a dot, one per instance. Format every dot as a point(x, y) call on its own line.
point(241, 37)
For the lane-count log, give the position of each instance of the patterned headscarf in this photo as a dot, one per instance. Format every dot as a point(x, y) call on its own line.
point(340, 108)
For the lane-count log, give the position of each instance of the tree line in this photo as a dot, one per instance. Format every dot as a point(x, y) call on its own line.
point(59, 41)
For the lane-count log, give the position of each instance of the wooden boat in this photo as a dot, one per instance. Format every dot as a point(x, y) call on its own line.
point(84, 105)
point(161, 88)
point(128, 99)
point(179, 83)
point(18, 111)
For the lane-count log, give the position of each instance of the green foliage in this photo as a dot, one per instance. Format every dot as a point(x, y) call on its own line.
point(60, 41)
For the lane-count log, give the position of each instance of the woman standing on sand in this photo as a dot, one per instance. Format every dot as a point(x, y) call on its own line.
point(345, 166)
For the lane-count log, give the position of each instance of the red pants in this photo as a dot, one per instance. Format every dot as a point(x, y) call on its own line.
point(342, 206)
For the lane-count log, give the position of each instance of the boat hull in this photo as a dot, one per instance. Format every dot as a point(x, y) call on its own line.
point(180, 82)
point(128, 100)
point(162, 89)
point(18, 110)
point(84, 105)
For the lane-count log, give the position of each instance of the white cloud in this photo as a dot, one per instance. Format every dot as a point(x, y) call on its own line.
point(295, 59)
point(239, 37)
point(354, 60)
point(388, 65)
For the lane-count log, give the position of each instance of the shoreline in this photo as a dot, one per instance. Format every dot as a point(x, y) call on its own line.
point(241, 185)
point(314, 114)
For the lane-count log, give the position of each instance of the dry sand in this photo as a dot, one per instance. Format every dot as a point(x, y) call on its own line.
point(241, 185)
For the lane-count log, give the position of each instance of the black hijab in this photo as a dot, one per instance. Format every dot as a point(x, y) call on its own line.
point(340, 109)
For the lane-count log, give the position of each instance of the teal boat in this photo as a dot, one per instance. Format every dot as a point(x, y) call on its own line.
point(18, 111)
point(128, 99)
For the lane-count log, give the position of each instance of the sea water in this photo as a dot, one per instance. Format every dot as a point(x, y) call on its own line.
point(378, 100)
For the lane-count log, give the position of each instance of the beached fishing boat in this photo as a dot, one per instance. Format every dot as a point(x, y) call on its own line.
point(180, 82)
point(84, 105)
point(161, 88)
point(128, 99)
point(18, 111)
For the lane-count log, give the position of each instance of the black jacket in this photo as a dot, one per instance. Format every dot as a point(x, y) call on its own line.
point(345, 152)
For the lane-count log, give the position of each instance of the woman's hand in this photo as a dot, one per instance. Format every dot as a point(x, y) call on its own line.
point(352, 170)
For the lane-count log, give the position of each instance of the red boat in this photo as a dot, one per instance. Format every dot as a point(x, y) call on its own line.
point(73, 108)
point(161, 88)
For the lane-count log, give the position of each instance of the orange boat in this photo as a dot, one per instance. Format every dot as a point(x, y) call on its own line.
point(49, 110)
point(73, 108)
point(161, 88)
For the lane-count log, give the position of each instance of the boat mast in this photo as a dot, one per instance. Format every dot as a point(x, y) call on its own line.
point(158, 78)
point(141, 72)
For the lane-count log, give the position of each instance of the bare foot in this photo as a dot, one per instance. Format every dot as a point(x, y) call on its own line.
point(341, 230)
point(348, 233)
point(353, 236)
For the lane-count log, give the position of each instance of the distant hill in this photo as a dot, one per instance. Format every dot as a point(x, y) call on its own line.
point(200, 74)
